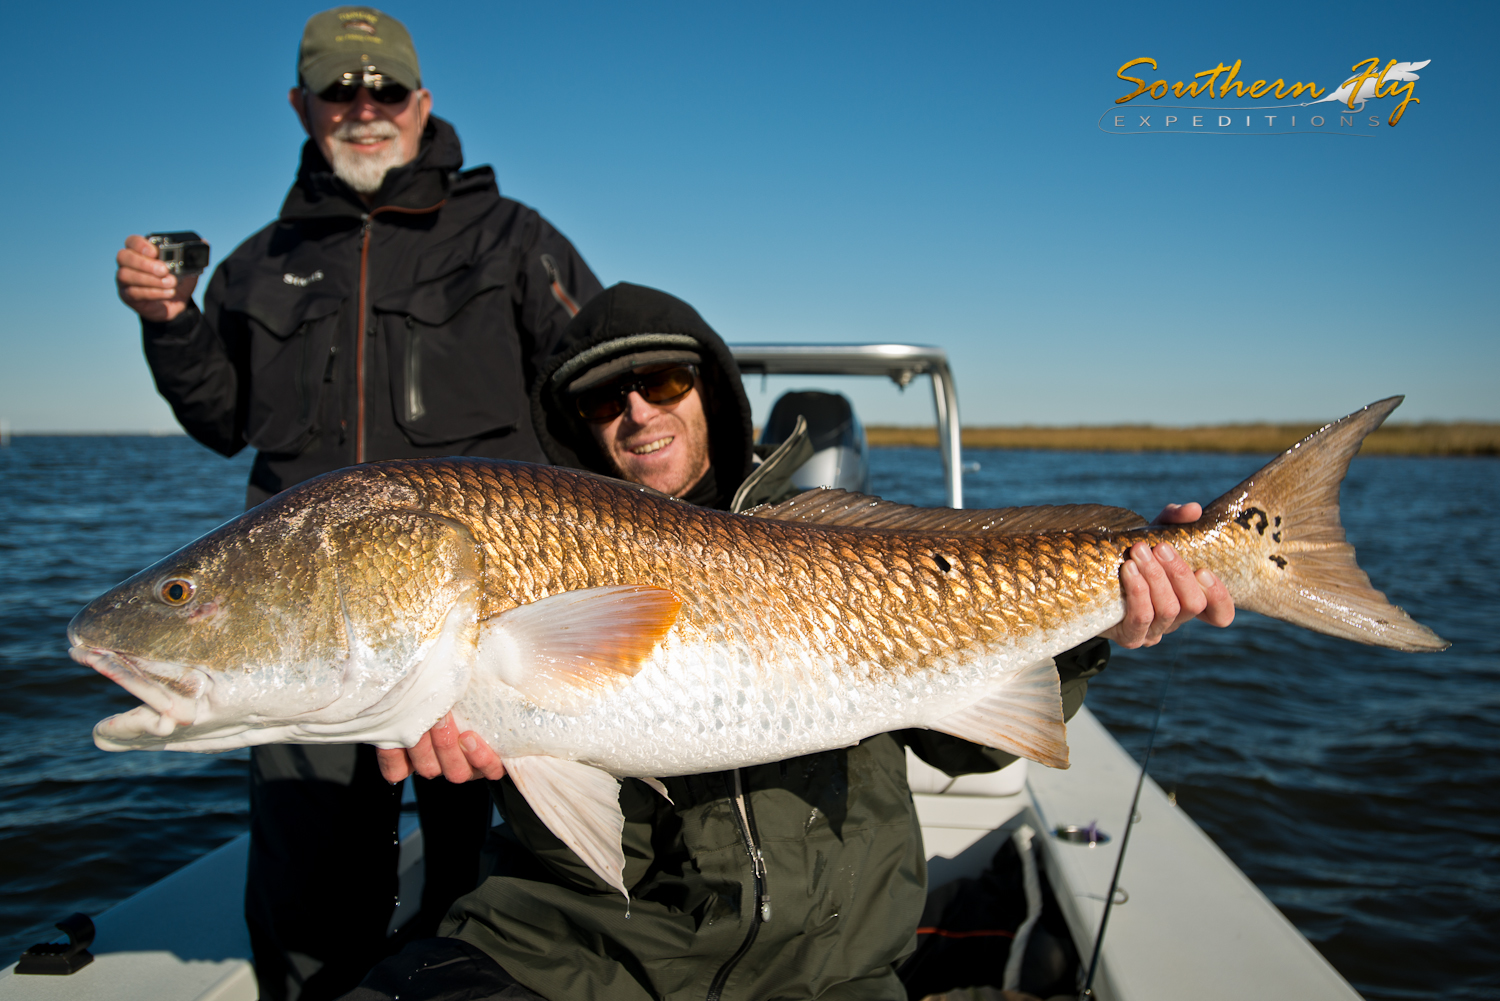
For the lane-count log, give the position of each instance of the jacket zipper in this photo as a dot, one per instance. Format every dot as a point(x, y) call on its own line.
point(359, 345)
point(359, 331)
point(744, 818)
point(415, 408)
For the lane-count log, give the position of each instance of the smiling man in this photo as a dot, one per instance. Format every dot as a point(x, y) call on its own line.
point(647, 391)
point(648, 420)
point(397, 308)
point(364, 125)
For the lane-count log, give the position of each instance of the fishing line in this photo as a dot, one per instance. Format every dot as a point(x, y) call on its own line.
point(1109, 898)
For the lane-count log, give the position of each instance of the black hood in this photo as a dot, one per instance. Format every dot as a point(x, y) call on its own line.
point(421, 184)
point(623, 310)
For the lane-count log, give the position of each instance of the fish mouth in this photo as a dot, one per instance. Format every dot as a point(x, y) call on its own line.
point(173, 695)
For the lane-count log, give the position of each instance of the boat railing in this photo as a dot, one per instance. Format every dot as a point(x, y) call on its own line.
point(898, 362)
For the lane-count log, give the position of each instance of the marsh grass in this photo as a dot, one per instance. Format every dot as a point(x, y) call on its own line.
point(1461, 438)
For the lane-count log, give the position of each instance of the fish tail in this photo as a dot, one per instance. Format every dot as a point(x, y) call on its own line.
point(1294, 564)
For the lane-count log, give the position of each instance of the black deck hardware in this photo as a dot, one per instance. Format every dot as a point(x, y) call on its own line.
point(61, 958)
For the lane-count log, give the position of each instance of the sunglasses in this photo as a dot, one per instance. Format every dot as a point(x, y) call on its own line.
point(382, 91)
point(602, 404)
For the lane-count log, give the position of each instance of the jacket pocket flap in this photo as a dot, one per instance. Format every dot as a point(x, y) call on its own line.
point(436, 302)
point(282, 309)
point(442, 261)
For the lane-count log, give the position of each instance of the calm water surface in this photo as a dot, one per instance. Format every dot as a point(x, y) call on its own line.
point(1359, 788)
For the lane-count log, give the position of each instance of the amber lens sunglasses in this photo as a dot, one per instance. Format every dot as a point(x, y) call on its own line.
point(602, 404)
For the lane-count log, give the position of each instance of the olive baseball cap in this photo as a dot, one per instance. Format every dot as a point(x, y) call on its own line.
point(354, 39)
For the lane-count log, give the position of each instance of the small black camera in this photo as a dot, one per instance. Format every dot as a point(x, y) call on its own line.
point(182, 253)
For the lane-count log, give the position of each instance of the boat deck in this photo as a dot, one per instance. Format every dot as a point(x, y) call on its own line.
point(1190, 926)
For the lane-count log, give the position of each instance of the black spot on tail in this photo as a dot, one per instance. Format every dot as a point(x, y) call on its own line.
point(1280, 563)
point(1246, 515)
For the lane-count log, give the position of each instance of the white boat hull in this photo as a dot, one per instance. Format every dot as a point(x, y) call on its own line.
point(1191, 926)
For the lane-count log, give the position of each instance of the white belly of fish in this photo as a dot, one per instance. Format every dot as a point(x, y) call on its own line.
point(698, 707)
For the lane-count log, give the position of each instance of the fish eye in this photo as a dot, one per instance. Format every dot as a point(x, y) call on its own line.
point(176, 591)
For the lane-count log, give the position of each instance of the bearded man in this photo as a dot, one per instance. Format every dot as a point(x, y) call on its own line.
point(397, 308)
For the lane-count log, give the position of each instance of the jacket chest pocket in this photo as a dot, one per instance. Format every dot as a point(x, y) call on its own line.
point(290, 355)
point(456, 371)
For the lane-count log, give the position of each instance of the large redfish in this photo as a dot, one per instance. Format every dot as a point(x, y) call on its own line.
point(591, 630)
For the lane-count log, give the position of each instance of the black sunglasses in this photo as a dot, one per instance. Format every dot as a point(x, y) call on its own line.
point(602, 404)
point(382, 91)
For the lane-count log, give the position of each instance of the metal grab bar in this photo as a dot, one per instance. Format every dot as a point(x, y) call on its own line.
point(898, 362)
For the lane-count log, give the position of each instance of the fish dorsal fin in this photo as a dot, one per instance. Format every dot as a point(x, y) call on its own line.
point(568, 650)
point(827, 506)
point(1023, 717)
point(581, 805)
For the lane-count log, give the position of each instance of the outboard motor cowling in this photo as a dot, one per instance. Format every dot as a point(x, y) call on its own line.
point(840, 456)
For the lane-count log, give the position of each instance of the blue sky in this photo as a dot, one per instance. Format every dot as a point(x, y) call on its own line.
point(832, 172)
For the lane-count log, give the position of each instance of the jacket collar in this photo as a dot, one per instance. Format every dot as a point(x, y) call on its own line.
point(421, 184)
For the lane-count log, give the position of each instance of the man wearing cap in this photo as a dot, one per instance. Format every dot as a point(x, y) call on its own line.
point(648, 392)
point(398, 307)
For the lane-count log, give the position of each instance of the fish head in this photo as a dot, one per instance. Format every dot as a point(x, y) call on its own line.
point(317, 617)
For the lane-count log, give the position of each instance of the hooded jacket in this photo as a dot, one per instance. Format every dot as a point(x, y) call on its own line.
point(788, 881)
point(626, 310)
point(346, 332)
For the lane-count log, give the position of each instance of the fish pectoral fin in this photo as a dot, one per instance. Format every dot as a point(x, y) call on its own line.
point(568, 650)
point(581, 805)
point(1024, 717)
point(660, 787)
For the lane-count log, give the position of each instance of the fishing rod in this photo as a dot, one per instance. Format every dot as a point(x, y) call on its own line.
point(1087, 993)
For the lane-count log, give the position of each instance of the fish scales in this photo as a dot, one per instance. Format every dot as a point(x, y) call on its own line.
point(588, 629)
point(784, 655)
point(690, 550)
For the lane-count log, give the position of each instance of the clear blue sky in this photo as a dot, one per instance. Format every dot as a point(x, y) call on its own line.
point(831, 172)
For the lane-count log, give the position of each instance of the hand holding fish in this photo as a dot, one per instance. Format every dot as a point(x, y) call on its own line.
point(1163, 593)
point(459, 757)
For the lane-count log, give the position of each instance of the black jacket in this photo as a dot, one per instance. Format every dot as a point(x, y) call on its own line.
point(346, 332)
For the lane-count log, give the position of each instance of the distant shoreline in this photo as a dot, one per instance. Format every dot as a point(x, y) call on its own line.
point(1458, 438)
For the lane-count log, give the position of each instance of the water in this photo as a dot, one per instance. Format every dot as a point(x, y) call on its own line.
point(1359, 788)
point(79, 828)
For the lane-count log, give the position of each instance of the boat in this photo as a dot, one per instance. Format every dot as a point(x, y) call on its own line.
point(1184, 923)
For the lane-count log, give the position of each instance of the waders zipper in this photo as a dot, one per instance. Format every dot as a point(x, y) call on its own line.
point(360, 327)
point(744, 818)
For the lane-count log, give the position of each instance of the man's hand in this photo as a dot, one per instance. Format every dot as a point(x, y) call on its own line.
point(459, 757)
point(1162, 592)
point(145, 284)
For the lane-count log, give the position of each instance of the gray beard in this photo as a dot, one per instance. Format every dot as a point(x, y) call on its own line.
point(364, 172)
